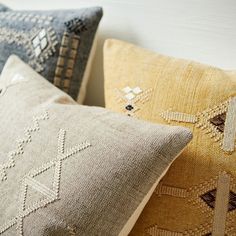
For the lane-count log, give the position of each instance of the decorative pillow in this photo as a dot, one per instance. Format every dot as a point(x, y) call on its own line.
point(198, 194)
point(67, 169)
point(56, 44)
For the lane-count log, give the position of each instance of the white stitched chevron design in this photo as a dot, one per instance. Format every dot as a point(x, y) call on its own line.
point(21, 143)
point(50, 195)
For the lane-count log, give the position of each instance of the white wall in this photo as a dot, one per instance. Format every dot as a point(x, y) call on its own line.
point(203, 30)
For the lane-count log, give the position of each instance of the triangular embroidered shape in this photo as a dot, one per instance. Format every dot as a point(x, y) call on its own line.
point(213, 119)
point(32, 196)
point(46, 177)
point(219, 122)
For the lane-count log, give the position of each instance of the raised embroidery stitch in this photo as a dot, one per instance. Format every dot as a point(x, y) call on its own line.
point(21, 144)
point(50, 195)
point(38, 44)
point(133, 98)
point(25, 17)
point(215, 198)
point(219, 122)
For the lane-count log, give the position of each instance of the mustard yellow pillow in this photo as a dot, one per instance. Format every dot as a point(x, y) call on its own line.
point(198, 194)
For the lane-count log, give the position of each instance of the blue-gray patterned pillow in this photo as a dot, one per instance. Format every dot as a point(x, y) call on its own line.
point(56, 44)
point(3, 7)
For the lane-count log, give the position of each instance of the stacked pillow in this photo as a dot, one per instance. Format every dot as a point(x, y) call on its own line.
point(67, 169)
point(198, 194)
point(57, 44)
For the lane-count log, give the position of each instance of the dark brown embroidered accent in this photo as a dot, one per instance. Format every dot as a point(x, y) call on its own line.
point(232, 201)
point(219, 122)
point(210, 197)
point(75, 25)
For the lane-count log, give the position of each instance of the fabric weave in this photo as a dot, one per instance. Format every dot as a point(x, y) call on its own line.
point(68, 169)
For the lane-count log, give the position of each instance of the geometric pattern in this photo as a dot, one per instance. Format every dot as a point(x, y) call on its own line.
point(75, 25)
point(25, 17)
point(66, 61)
point(21, 144)
point(68, 53)
point(210, 197)
point(132, 98)
point(219, 122)
point(215, 198)
point(50, 195)
point(39, 44)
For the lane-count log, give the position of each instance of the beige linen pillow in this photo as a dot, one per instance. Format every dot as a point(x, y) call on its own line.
point(67, 169)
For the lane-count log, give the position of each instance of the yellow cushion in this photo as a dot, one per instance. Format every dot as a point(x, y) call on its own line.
point(198, 194)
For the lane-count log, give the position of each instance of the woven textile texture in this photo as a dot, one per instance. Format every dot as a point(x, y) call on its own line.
point(198, 194)
point(56, 44)
point(67, 169)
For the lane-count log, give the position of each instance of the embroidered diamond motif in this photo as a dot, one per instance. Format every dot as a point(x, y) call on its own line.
point(50, 195)
point(130, 96)
point(131, 92)
point(210, 197)
point(127, 89)
point(40, 42)
point(137, 90)
point(133, 98)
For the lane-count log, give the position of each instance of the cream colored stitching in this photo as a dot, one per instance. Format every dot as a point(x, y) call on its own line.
point(155, 231)
point(171, 191)
point(26, 17)
point(21, 144)
point(25, 40)
point(132, 98)
point(178, 116)
point(230, 127)
point(202, 121)
point(50, 195)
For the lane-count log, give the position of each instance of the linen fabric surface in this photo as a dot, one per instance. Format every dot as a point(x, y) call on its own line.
point(56, 44)
point(67, 169)
point(198, 194)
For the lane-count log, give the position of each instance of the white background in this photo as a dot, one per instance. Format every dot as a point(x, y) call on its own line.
point(202, 30)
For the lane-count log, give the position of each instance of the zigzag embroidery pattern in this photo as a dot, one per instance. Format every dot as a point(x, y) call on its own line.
point(51, 195)
point(21, 143)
